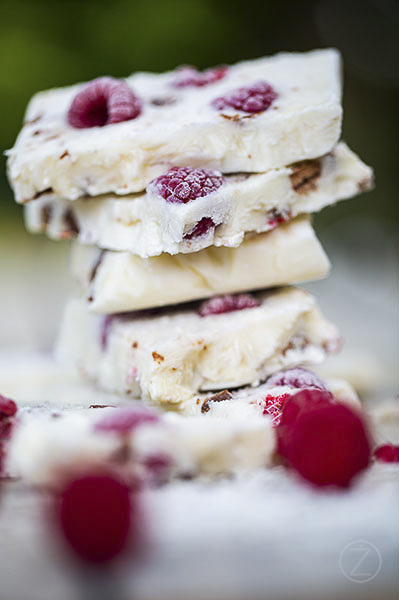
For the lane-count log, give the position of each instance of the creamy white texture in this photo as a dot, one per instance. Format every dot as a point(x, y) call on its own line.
point(119, 281)
point(233, 437)
point(303, 122)
point(169, 358)
point(147, 225)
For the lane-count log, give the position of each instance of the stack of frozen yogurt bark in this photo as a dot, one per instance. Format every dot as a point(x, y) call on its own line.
point(188, 197)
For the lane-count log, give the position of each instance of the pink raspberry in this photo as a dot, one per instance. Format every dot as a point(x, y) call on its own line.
point(223, 304)
point(272, 405)
point(95, 515)
point(388, 453)
point(183, 184)
point(297, 378)
point(201, 228)
point(103, 101)
point(327, 443)
point(254, 99)
point(125, 420)
point(188, 76)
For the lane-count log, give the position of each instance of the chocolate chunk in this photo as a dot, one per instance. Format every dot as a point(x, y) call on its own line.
point(219, 397)
point(304, 175)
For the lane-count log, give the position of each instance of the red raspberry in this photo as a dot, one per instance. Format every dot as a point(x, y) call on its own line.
point(201, 228)
point(124, 420)
point(183, 184)
point(94, 513)
point(223, 304)
point(253, 99)
point(272, 405)
point(388, 453)
point(327, 443)
point(297, 378)
point(188, 76)
point(103, 101)
point(8, 410)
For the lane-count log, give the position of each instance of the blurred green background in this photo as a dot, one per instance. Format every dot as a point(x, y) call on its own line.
point(48, 43)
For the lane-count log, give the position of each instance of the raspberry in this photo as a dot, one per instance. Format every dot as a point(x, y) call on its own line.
point(124, 420)
point(254, 99)
point(201, 228)
point(8, 410)
point(223, 304)
point(183, 184)
point(272, 405)
point(188, 76)
point(297, 378)
point(103, 101)
point(94, 514)
point(327, 443)
point(388, 453)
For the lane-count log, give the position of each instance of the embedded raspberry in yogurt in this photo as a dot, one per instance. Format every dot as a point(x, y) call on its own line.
point(388, 453)
point(103, 101)
point(201, 228)
point(125, 420)
point(183, 184)
point(325, 442)
point(188, 76)
point(228, 303)
point(253, 99)
point(297, 378)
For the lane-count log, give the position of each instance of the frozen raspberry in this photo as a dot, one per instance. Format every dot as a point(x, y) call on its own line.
point(388, 453)
point(95, 514)
point(254, 99)
point(103, 101)
point(272, 406)
point(327, 443)
point(8, 410)
point(183, 184)
point(124, 420)
point(190, 77)
point(223, 304)
point(201, 228)
point(297, 378)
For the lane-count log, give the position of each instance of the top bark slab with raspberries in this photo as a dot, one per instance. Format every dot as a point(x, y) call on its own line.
point(250, 117)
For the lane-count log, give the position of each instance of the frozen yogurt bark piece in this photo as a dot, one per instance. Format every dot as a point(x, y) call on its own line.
point(119, 281)
point(149, 224)
point(170, 356)
point(228, 433)
point(253, 116)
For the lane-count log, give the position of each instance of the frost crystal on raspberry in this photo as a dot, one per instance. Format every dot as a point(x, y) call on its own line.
point(183, 184)
point(188, 76)
point(223, 304)
point(297, 378)
point(254, 99)
point(103, 101)
point(272, 406)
